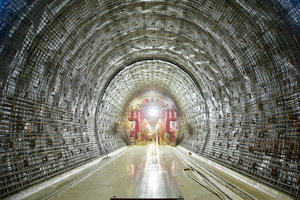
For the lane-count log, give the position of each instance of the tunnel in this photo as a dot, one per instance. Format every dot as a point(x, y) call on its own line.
point(73, 71)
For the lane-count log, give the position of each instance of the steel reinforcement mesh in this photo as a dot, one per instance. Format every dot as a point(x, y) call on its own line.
point(239, 104)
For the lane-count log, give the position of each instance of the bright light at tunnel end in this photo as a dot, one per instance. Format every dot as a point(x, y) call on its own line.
point(153, 112)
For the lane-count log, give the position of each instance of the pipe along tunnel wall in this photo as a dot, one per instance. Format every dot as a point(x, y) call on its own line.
point(69, 69)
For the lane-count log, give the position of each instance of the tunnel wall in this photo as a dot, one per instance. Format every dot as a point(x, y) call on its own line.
point(47, 114)
point(253, 123)
point(57, 57)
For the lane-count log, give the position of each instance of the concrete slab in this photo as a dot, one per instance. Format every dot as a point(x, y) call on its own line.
point(144, 171)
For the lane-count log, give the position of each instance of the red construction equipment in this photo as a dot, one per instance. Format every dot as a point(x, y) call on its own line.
point(153, 109)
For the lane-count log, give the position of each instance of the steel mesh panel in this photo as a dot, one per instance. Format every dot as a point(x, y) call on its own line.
point(68, 70)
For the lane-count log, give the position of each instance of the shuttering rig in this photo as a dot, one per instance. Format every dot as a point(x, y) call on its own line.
point(69, 69)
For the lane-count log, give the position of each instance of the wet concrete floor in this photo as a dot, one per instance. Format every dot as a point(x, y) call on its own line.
point(142, 172)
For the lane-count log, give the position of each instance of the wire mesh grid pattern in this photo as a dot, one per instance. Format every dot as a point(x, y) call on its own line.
point(237, 89)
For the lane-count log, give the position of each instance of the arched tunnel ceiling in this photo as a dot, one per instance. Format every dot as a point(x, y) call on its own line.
point(93, 41)
point(232, 66)
point(160, 76)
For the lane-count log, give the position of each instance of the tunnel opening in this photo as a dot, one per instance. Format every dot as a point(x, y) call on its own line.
point(147, 74)
point(150, 119)
point(71, 69)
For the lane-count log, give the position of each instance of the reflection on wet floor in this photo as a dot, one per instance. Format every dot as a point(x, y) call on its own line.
point(144, 171)
point(156, 180)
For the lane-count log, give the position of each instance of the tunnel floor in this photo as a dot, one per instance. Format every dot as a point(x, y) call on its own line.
point(147, 171)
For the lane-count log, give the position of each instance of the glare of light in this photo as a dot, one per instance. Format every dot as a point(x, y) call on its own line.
point(132, 169)
point(173, 168)
point(153, 112)
point(149, 127)
point(153, 181)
